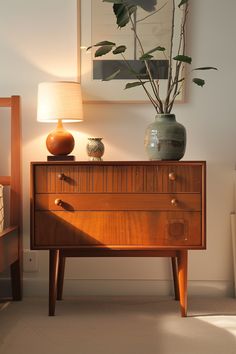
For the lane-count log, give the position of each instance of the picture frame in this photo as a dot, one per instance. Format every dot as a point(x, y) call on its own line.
point(94, 89)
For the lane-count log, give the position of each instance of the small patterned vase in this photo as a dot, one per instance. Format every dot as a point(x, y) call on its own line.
point(95, 149)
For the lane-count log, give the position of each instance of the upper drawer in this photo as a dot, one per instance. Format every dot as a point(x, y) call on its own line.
point(118, 178)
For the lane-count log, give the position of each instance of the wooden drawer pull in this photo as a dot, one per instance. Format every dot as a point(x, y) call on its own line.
point(61, 176)
point(58, 202)
point(174, 202)
point(172, 176)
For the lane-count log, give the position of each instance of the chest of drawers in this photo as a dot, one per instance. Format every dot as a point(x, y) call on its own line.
point(118, 209)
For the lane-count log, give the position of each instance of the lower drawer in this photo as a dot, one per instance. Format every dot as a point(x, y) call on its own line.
point(117, 229)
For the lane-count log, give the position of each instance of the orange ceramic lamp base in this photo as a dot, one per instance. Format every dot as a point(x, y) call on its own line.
point(60, 141)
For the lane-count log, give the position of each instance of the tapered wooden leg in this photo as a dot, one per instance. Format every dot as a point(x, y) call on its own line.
point(16, 280)
point(53, 277)
point(61, 272)
point(175, 277)
point(182, 260)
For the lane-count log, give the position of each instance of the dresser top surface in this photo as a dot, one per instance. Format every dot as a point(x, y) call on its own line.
point(119, 163)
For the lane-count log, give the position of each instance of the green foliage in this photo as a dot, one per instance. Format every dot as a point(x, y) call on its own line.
point(183, 59)
point(123, 9)
point(146, 5)
point(101, 44)
point(199, 82)
point(206, 68)
point(147, 55)
point(103, 50)
point(135, 84)
point(120, 49)
point(125, 13)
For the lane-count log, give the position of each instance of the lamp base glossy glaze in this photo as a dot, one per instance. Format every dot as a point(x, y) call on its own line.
point(60, 141)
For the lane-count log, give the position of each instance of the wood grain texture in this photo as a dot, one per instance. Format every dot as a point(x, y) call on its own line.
point(175, 277)
point(53, 279)
point(5, 101)
point(123, 228)
point(117, 178)
point(112, 201)
point(182, 260)
point(118, 209)
point(16, 195)
point(5, 180)
point(9, 242)
point(61, 272)
point(13, 247)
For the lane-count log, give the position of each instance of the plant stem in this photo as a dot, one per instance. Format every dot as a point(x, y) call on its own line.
point(181, 50)
point(135, 39)
point(153, 13)
point(174, 97)
point(154, 103)
point(152, 82)
point(170, 58)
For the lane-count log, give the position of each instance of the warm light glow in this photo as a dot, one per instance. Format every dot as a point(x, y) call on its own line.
point(223, 322)
point(59, 100)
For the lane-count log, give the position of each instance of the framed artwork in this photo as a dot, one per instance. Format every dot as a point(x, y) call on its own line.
point(96, 23)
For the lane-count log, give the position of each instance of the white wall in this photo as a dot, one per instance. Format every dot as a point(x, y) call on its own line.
point(38, 43)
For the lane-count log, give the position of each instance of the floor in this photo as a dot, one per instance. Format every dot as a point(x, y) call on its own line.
point(118, 325)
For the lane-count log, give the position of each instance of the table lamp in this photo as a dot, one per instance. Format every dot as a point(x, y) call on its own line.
point(60, 102)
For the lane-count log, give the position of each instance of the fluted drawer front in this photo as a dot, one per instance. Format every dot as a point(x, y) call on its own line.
point(122, 229)
point(118, 178)
point(72, 202)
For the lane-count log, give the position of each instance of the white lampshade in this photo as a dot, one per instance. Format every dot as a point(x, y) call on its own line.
point(59, 100)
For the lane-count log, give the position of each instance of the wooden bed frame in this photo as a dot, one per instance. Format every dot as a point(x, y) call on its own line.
point(11, 237)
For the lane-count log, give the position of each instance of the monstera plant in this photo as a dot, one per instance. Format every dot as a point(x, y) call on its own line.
point(125, 12)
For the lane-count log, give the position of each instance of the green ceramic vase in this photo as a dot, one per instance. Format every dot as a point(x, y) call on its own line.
point(165, 138)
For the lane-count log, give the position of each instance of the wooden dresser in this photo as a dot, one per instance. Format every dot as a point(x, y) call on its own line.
point(118, 209)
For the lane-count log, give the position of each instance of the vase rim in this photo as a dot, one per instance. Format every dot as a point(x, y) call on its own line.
point(165, 114)
point(94, 138)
